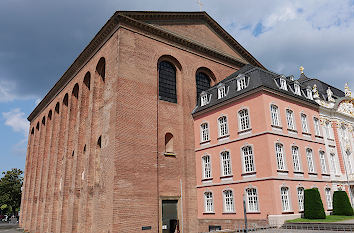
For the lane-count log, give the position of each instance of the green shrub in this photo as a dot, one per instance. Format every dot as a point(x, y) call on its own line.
point(313, 207)
point(341, 204)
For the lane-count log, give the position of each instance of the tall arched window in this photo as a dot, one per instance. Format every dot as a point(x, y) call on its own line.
point(202, 82)
point(169, 143)
point(167, 82)
point(87, 80)
point(101, 68)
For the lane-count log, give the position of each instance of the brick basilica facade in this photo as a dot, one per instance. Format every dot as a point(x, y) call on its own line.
point(111, 146)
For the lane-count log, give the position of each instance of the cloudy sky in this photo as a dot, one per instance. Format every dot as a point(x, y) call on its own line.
point(39, 39)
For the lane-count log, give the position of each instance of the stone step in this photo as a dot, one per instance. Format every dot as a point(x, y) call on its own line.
point(333, 226)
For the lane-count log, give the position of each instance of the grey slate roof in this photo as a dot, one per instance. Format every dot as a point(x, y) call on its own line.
point(257, 78)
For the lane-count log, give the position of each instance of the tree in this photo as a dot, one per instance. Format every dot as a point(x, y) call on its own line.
point(313, 208)
point(341, 204)
point(10, 191)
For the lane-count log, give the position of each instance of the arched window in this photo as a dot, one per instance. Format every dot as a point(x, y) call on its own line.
point(279, 150)
point(310, 162)
point(43, 120)
point(274, 111)
point(296, 158)
point(223, 126)
point(285, 200)
point(248, 159)
point(66, 99)
point(37, 126)
point(87, 80)
point(300, 198)
point(101, 68)
point(208, 202)
point(99, 142)
point(57, 108)
point(328, 198)
point(225, 163)
point(50, 115)
point(323, 162)
point(204, 132)
point(252, 200)
point(206, 167)
point(228, 201)
point(202, 82)
point(167, 82)
point(169, 143)
point(244, 120)
point(75, 91)
point(32, 131)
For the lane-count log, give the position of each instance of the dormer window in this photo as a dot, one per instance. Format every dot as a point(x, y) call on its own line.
point(283, 83)
point(241, 83)
point(297, 89)
point(203, 99)
point(309, 93)
point(221, 91)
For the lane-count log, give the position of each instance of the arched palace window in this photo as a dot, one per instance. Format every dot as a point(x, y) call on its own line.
point(202, 82)
point(167, 82)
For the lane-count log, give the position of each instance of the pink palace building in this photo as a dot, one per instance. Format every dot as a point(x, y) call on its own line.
point(260, 138)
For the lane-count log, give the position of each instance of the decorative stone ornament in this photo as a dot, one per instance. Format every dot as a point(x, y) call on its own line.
point(347, 90)
point(315, 92)
point(330, 95)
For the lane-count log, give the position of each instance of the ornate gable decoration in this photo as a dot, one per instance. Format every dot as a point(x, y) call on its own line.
point(346, 107)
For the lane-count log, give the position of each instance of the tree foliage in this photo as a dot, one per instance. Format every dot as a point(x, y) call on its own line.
point(341, 204)
point(10, 191)
point(313, 206)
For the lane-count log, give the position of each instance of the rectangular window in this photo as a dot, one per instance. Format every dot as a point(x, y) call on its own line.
point(203, 100)
point(323, 162)
point(248, 159)
point(290, 119)
point(304, 123)
point(244, 119)
point(221, 92)
point(329, 198)
point(204, 132)
point(316, 122)
point(275, 115)
point(241, 83)
point(206, 167)
point(296, 158)
point(283, 84)
point(310, 163)
point(297, 89)
point(223, 127)
point(252, 200)
point(333, 163)
point(285, 199)
point(309, 94)
point(229, 201)
point(280, 156)
point(225, 163)
point(300, 198)
point(208, 200)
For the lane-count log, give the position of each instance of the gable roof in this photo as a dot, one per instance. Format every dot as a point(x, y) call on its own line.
point(136, 19)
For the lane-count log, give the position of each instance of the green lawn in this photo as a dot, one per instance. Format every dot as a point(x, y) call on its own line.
point(329, 218)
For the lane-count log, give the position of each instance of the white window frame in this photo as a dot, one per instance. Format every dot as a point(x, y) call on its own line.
point(248, 159)
point(349, 161)
point(297, 89)
point(290, 119)
point(285, 199)
point(225, 159)
point(204, 99)
point(328, 194)
point(333, 163)
point(280, 157)
point(228, 200)
point(300, 197)
point(283, 84)
point(223, 126)
point(316, 123)
point(274, 113)
point(222, 92)
point(309, 93)
point(310, 161)
point(208, 202)
point(244, 119)
point(252, 200)
point(304, 123)
point(323, 162)
point(206, 166)
point(204, 132)
point(296, 158)
point(241, 83)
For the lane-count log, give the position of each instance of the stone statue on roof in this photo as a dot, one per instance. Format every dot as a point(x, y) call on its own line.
point(315, 91)
point(347, 90)
point(330, 95)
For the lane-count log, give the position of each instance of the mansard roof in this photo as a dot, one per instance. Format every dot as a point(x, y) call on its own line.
point(141, 20)
point(257, 78)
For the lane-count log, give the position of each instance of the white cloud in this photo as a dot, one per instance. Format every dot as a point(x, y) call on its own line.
point(16, 120)
point(6, 91)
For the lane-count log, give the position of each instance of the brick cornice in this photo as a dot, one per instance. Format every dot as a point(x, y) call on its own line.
point(133, 19)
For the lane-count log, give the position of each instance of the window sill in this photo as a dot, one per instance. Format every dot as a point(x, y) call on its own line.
point(325, 174)
point(298, 172)
point(288, 212)
point(283, 171)
point(204, 142)
point(313, 173)
point(169, 154)
point(224, 137)
point(208, 213)
point(229, 212)
point(330, 139)
point(228, 176)
point(244, 131)
point(254, 212)
point(292, 130)
point(277, 126)
point(318, 136)
point(248, 173)
point(207, 179)
point(306, 134)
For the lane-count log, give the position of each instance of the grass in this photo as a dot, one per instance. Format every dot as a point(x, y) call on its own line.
point(329, 218)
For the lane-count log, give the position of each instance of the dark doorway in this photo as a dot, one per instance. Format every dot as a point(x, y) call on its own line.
point(169, 216)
